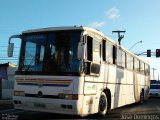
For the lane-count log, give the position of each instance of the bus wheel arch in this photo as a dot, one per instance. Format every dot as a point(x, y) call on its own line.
point(108, 94)
point(104, 102)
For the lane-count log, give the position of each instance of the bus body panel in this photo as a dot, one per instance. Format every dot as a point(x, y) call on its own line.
point(54, 105)
point(50, 105)
point(48, 84)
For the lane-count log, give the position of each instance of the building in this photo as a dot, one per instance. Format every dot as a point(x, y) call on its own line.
point(7, 72)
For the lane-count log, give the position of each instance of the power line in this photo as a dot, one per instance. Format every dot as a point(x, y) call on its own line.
point(8, 59)
point(7, 47)
point(15, 51)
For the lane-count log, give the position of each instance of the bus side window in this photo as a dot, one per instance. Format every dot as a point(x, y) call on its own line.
point(123, 59)
point(136, 65)
point(129, 63)
point(142, 67)
point(146, 69)
point(119, 57)
point(96, 51)
point(89, 48)
point(114, 54)
point(93, 50)
point(104, 50)
point(109, 53)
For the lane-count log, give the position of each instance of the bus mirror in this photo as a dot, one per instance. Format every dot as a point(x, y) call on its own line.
point(80, 53)
point(10, 49)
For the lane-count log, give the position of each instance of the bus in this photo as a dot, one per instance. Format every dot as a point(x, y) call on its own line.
point(76, 70)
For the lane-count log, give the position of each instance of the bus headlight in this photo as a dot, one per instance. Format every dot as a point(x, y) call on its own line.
point(68, 96)
point(19, 93)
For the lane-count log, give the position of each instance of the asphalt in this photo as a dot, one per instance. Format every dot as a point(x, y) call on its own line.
point(149, 110)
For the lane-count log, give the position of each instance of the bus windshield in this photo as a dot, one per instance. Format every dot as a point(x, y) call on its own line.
point(53, 52)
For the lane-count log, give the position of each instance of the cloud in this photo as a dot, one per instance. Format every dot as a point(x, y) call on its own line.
point(113, 13)
point(97, 24)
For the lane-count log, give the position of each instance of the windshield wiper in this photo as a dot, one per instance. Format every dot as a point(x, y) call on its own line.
point(30, 64)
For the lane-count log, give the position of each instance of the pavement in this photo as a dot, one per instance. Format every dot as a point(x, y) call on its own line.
point(6, 104)
point(150, 110)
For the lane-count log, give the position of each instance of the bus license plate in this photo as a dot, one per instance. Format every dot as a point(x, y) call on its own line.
point(40, 105)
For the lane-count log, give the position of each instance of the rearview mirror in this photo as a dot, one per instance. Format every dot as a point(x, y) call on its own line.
point(80, 53)
point(10, 49)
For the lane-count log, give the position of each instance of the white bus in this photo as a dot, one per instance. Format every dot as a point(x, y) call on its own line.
point(76, 70)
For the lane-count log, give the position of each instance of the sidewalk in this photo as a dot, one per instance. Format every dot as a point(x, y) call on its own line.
point(5, 104)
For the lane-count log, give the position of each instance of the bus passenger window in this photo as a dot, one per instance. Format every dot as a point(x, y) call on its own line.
point(129, 62)
point(114, 54)
point(93, 50)
point(119, 57)
point(136, 65)
point(96, 51)
point(146, 69)
point(109, 52)
point(142, 67)
point(123, 59)
point(89, 48)
point(104, 50)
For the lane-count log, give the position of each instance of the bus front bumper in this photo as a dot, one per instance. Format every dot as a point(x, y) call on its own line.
point(60, 106)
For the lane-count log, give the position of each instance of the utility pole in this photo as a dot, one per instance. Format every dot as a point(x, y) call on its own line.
point(153, 73)
point(120, 37)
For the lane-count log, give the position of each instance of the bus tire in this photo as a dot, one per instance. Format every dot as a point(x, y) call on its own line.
point(142, 97)
point(103, 105)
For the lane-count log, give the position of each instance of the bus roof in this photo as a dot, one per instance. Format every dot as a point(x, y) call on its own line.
point(64, 28)
point(69, 28)
point(79, 28)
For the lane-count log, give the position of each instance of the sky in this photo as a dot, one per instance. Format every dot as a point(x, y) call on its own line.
point(139, 18)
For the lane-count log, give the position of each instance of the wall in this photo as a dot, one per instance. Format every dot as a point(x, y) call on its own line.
point(7, 80)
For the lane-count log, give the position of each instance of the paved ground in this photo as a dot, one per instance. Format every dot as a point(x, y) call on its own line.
point(150, 110)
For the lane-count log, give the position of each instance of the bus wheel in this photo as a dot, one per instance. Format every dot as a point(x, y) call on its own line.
point(103, 104)
point(142, 97)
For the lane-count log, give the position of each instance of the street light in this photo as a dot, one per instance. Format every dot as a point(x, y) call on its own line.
point(135, 44)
